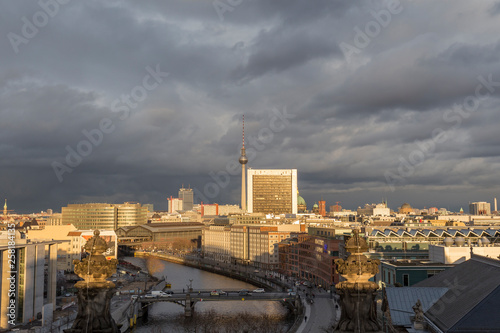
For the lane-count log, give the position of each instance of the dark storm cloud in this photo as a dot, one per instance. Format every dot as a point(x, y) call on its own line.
point(277, 51)
point(495, 9)
point(348, 122)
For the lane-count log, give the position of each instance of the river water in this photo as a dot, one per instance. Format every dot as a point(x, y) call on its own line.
point(227, 316)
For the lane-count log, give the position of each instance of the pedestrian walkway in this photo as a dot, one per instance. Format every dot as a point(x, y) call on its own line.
point(321, 314)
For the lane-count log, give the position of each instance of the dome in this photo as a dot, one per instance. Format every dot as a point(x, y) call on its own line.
point(300, 200)
point(315, 206)
point(405, 205)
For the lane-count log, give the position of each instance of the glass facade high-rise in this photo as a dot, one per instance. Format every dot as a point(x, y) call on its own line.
point(104, 216)
point(272, 191)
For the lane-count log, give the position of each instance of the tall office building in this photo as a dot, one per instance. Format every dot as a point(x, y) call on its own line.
point(272, 191)
point(104, 216)
point(479, 208)
point(186, 195)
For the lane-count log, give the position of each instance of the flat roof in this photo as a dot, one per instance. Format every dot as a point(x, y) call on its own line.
point(406, 262)
point(19, 245)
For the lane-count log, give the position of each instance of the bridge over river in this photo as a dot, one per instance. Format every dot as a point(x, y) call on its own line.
point(188, 300)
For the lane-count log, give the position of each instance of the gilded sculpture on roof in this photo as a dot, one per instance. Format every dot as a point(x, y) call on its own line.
point(357, 293)
point(95, 269)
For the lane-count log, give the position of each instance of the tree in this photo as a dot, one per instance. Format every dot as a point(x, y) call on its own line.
point(154, 265)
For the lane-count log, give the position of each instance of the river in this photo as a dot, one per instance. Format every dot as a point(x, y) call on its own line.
point(210, 316)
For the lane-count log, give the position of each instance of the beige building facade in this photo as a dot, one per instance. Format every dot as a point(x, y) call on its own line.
point(272, 191)
point(104, 216)
point(246, 244)
point(216, 242)
point(68, 250)
point(24, 266)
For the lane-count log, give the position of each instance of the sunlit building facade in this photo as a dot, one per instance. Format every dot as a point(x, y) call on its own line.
point(104, 216)
point(480, 208)
point(272, 191)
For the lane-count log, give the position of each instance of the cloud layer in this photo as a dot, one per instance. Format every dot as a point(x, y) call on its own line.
point(367, 99)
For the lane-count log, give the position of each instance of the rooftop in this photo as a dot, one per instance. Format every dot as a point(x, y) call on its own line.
point(473, 298)
point(415, 263)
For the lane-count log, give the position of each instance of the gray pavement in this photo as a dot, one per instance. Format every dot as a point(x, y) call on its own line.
point(321, 315)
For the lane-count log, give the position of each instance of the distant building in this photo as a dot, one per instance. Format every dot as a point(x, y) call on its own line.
point(335, 208)
point(55, 219)
point(104, 216)
point(186, 195)
point(272, 191)
point(254, 245)
point(174, 205)
point(301, 204)
point(229, 209)
point(187, 234)
point(413, 243)
point(432, 210)
point(216, 243)
point(315, 209)
point(254, 218)
point(311, 258)
point(216, 209)
point(374, 210)
point(457, 254)
point(479, 208)
point(209, 209)
point(406, 209)
point(322, 208)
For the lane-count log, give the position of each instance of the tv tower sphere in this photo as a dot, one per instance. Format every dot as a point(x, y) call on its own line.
point(243, 158)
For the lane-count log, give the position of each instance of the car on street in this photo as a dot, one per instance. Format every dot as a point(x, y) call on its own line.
point(221, 292)
point(150, 296)
point(214, 293)
point(292, 293)
point(259, 290)
point(244, 292)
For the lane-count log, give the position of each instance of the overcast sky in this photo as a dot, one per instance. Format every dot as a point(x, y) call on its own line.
point(113, 101)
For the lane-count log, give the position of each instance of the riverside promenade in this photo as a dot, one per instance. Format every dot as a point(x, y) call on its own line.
point(322, 315)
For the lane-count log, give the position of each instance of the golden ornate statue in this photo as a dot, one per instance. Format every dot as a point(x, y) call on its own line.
point(95, 269)
point(357, 293)
point(94, 293)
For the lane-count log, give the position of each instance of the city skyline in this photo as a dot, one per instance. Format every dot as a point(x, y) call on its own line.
point(115, 102)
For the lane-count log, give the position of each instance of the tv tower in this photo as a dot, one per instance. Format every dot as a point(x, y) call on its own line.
point(243, 160)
